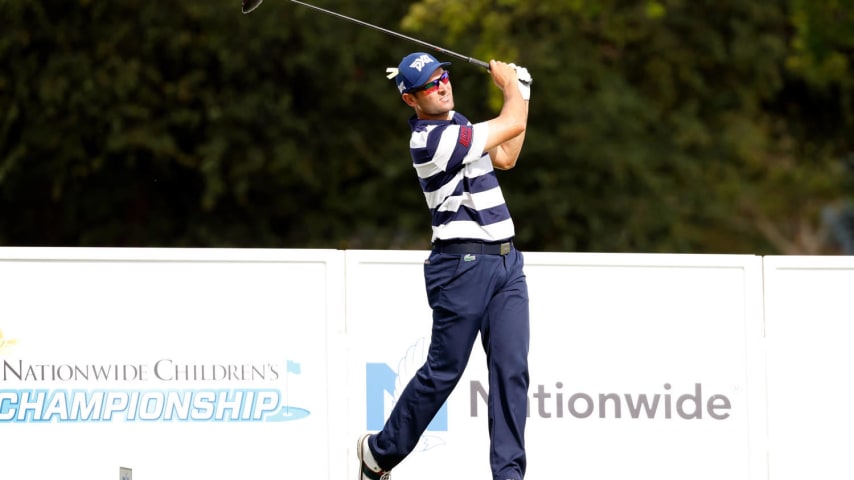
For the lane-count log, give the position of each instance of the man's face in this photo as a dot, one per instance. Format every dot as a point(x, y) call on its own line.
point(433, 100)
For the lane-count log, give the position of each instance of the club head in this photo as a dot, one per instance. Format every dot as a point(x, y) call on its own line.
point(249, 5)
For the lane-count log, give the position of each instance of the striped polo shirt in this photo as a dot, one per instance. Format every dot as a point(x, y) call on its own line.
point(458, 180)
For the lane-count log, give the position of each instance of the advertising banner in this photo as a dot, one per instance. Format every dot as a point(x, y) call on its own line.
point(247, 363)
point(809, 316)
point(173, 363)
point(642, 366)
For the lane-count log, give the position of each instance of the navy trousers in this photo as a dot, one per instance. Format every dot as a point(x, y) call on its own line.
point(469, 294)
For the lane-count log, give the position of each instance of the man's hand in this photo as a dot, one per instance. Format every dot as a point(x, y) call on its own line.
point(507, 130)
point(525, 81)
point(503, 75)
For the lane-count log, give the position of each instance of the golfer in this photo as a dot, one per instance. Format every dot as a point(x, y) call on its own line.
point(474, 274)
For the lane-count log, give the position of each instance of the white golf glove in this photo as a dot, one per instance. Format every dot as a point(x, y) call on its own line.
point(525, 81)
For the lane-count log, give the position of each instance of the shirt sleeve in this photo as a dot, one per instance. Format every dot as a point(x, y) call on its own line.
point(446, 148)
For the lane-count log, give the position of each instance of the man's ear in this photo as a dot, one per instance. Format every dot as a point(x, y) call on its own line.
point(408, 99)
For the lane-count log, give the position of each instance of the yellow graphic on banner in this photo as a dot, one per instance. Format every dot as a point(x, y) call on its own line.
point(5, 344)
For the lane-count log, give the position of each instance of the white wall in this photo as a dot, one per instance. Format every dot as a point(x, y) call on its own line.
point(173, 322)
point(682, 331)
point(809, 318)
point(318, 341)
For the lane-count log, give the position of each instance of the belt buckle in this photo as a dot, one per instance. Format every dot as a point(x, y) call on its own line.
point(505, 248)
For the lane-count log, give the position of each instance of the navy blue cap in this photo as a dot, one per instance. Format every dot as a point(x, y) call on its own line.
point(415, 70)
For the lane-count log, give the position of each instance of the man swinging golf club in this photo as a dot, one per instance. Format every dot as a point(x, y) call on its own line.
point(474, 274)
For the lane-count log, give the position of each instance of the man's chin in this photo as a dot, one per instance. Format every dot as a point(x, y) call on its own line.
point(438, 114)
point(444, 107)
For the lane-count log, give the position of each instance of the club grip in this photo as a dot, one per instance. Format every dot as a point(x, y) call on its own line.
point(479, 63)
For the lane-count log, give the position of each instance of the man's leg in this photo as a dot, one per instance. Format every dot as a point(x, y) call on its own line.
point(456, 296)
point(505, 338)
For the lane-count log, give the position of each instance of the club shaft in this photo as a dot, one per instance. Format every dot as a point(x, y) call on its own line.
point(398, 35)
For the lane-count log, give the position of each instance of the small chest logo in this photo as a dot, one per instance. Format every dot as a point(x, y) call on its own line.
point(465, 136)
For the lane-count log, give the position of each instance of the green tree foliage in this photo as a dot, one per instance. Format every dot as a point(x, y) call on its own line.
point(666, 125)
point(134, 123)
point(656, 125)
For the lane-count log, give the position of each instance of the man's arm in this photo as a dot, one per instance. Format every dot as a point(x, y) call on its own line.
point(504, 156)
point(507, 130)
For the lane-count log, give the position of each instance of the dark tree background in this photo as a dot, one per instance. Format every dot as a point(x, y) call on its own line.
point(709, 126)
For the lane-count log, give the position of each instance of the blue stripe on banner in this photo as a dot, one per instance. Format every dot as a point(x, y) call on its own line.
point(484, 217)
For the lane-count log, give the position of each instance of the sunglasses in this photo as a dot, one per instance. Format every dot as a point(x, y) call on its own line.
point(431, 87)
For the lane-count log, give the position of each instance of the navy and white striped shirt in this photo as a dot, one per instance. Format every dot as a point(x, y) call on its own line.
point(458, 180)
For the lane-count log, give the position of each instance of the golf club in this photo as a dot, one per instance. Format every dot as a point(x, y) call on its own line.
point(249, 5)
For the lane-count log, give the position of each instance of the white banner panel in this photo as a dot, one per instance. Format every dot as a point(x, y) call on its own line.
point(642, 366)
point(809, 316)
point(175, 363)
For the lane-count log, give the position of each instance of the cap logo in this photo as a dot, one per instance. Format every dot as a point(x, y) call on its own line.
point(419, 62)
